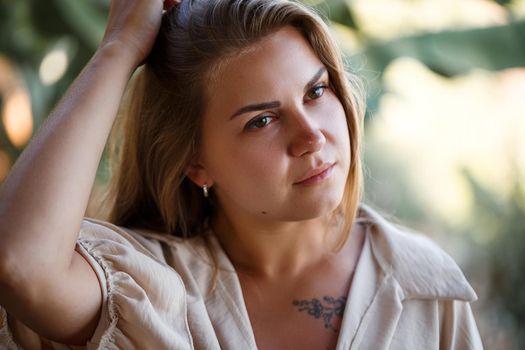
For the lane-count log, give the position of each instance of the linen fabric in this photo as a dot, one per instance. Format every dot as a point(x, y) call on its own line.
point(157, 293)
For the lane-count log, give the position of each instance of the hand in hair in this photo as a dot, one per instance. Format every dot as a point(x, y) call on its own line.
point(168, 4)
point(133, 25)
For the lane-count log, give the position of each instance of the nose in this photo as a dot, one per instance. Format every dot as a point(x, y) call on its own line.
point(307, 137)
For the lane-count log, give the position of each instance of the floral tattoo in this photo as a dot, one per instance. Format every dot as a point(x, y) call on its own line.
point(325, 309)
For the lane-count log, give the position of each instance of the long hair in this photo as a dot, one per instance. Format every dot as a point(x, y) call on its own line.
point(158, 132)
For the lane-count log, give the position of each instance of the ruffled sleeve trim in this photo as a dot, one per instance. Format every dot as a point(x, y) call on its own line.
point(7, 341)
point(144, 300)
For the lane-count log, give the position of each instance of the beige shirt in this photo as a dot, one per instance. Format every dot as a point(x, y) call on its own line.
point(406, 294)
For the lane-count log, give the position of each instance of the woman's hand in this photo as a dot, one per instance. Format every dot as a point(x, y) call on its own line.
point(133, 26)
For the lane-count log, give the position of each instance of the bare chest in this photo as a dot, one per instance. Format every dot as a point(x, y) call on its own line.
point(310, 325)
point(305, 312)
point(291, 316)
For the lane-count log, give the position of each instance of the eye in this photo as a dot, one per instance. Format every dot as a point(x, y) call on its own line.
point(316, 92)
point(259, 122)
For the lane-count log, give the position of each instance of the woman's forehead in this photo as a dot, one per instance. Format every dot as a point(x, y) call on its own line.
point(283, 60)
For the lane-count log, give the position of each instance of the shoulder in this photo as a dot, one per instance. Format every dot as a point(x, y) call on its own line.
point(94, 232)
point(422, 269)
point(140, 290)
point(130, 246)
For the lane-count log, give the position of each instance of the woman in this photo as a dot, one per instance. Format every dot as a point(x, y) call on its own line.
point(234, 220)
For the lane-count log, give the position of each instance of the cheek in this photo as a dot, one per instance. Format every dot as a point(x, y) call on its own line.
point(340, 133)
point(337, 124)
point(344, 133)
point(251, 177)
point(243, 165)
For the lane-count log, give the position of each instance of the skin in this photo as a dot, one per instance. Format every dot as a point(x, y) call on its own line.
point(255, 160)
point(277, 231)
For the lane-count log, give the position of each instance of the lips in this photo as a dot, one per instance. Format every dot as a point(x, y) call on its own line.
point(316, 175)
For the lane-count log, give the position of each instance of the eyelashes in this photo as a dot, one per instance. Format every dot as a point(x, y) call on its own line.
point(264, 120)
point(259, 122)
point(317, 91)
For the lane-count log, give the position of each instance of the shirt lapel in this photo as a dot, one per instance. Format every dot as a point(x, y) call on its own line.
point(373, 306)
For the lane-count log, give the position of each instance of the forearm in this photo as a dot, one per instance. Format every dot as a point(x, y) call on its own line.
point(43, 200)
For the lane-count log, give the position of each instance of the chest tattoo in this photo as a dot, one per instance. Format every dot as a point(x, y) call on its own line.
point(325, 309)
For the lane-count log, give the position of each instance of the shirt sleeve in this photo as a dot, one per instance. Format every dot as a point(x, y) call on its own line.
point(7, 341)
point(143, 299)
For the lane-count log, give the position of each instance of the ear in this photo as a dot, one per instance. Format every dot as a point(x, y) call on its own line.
point(198, 174)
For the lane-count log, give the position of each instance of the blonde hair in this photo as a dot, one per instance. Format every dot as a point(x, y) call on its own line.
point(159, 131)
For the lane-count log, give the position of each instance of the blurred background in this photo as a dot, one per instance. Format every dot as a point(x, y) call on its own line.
point(445, 128)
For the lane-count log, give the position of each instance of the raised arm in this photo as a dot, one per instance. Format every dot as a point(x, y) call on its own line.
point(44, 283)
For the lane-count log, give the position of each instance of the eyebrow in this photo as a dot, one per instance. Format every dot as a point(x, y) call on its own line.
point(275, 104)
point(314, 79)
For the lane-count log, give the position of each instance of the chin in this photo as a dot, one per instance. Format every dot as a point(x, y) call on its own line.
point(308, 210)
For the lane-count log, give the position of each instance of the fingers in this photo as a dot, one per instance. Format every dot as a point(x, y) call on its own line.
point(168, 4)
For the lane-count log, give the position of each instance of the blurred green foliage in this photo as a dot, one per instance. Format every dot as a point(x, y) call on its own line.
point(29, 29)
point(505, 257)
point(448, 52)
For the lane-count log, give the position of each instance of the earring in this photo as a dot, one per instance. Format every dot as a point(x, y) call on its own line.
point(205, 190)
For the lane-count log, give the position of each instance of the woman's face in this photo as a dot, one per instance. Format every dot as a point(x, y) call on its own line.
point(275, 142)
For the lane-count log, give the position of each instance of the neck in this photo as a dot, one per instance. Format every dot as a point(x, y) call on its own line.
point(275, 249)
